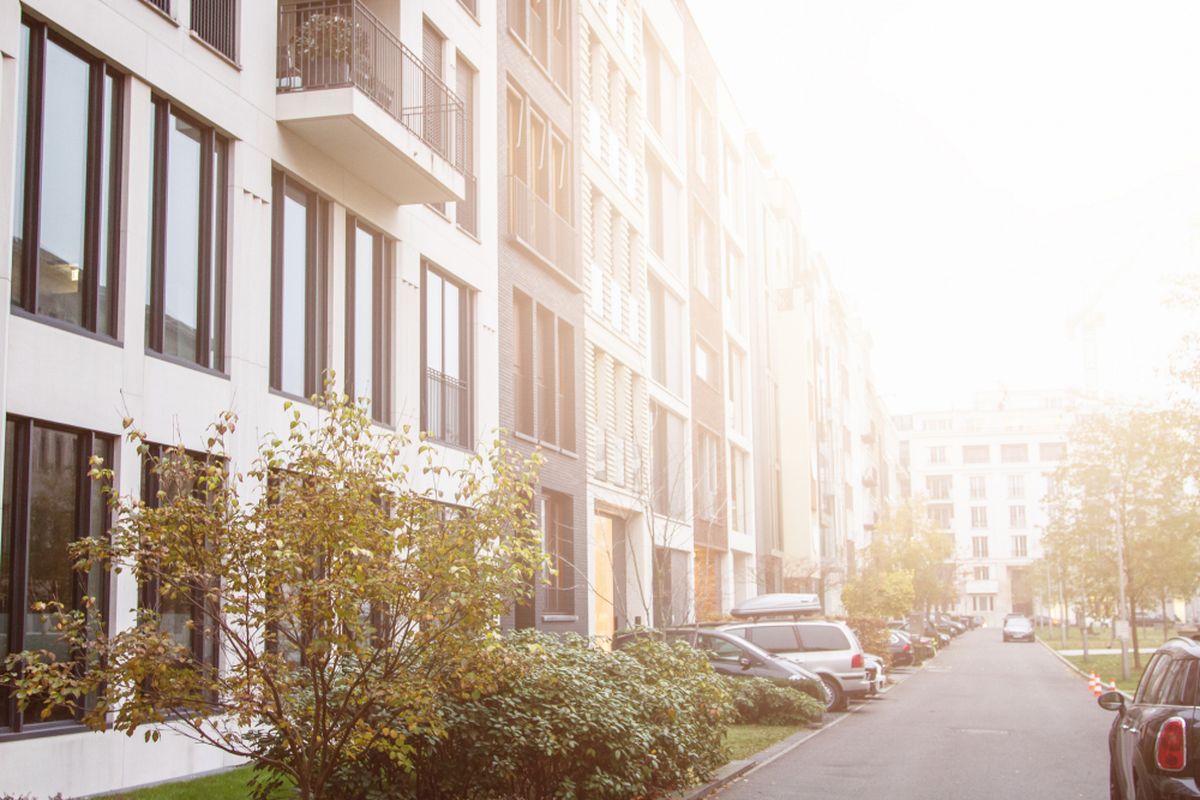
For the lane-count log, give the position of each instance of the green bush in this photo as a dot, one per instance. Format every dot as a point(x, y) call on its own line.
point(757, 701)
point(541, 716)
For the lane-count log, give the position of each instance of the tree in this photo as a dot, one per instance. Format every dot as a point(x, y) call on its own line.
point(906, 541)
point(354, 590)
point(875, 593)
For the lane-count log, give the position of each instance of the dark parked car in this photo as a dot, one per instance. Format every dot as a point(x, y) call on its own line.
point(1018, 629)
point(900, 648)
point(1154, 742)
point(734, 656)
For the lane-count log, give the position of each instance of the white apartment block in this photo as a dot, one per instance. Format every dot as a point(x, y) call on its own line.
point(208, 208)
point(984, 473)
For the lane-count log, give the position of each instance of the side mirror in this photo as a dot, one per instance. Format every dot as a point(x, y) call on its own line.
point(1111, 701)
point(746, 662)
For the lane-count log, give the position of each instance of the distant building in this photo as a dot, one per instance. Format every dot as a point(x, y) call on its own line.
point(984, 474)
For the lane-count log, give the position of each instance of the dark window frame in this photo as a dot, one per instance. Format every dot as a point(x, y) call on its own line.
point(316, 307)
point(552, 394)
point(558, 527)
point(466, 327)
point(383, 312)
point(27, 219)
point(17, 542)
point(214, 219)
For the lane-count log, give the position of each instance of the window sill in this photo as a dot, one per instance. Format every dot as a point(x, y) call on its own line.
point(39, 730)
point(439, 212)
point(183, 362)
point(168, 16)
point(473, 237)
point(431, 439)
point(474, 17)
point(295, 398)
point(567, 618)
point(42, 319)
point(230, 61)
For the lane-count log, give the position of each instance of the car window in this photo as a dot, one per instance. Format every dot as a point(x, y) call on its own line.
point(1179, 686)
point(775, 638)
point(823, 637)
point(719, 649)
point(679, 636)
point(737, 632)
point(1148, 687)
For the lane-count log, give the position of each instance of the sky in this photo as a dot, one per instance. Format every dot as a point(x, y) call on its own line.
point(981, 176)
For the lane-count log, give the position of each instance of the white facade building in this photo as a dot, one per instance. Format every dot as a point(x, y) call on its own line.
point(984, 474)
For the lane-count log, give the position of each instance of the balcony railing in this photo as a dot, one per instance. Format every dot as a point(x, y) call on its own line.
point(540, 228)
point(447, 408)
point(215, 21)
point(331, 45)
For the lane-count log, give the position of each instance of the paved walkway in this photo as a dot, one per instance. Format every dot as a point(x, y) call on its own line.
point(983, 720)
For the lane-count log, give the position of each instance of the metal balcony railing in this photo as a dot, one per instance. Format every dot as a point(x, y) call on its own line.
point(447, 408)
point(540, 228)
point(215, 21)
point(329, 45)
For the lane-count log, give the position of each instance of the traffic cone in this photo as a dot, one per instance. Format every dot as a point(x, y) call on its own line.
point(1094, 685)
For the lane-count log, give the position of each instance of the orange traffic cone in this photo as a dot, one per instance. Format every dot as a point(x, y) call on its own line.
point(1094, 685)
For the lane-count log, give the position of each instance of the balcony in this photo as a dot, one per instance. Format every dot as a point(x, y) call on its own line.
point(348, 86)
point(447, 409)
point(537, 226)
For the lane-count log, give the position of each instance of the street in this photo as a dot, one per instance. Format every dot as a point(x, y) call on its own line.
point(982, 720)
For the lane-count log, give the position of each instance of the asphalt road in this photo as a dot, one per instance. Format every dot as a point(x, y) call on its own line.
point(982, 720)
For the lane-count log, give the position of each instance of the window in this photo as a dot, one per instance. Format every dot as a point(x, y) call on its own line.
point(558, 527)
point(735, 276)
point(1016, 487)
point(185, 316)
point(666, 347)
point(543, 373)
point(983, 573)
point(48, 502)
point(369, 290)
point(186, 616)
point(299, 290)
point(68, 183)
point(775, 638)
point(662, 206)
point(937, 455)
point(466, 212)
point(1052, 451)
point(976, 454)
point(702, 139)
point(819, 638)
point(215, 21)
point(433, 51)
point(668, 462)
point(983, 602)
point(544, 26)
point(1014, 453)
point(941, 514)
point(1020, 546)
point(1016, 516)
point(540, 184)
point(1149, 688)
point(738, 499)
point(979, 546)
point(661, 90)
point(672, 591)
point(446, 353)
point(978, 487)
point(737, 389)
point(979, 516)
point(706, 364)
point(939, 486)
point(720, 649)
point(1179, 688)
point(705, 273)
point(709, 486)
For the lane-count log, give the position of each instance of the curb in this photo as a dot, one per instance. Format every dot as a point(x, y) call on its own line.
point(739, 769)
point(1077, 670)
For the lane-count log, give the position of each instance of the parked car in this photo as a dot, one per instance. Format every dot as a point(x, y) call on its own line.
point(955, 627)
point(1017, 629)
point(734, 656)
point(827, 648)
point(876, 674)
point(1154, 742)
point(900, 648)
point(778, 604)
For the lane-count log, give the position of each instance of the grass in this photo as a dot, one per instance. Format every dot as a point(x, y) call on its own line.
point(1108, 667)
point(1148, 638)
point(746, 740)
point(232, 785)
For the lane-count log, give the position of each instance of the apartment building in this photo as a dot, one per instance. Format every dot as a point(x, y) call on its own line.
point(984, 473)
point(215, 205)
point(541, 285)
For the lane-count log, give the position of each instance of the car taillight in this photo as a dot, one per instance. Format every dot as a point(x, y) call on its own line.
point(907, 647)
point(1170, 748)
point(857, 661)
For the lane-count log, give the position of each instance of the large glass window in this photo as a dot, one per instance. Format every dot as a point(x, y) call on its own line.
point(543, 373)
point(668, 463)
point(544, 26)
point(299, 233)
point(369, 318)
point(666, 346)
point(446, 331)
point(49, 502)
point(66, 223)
point(559, 529)
point(185, 317)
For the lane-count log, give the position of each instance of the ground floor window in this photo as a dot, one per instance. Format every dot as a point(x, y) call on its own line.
point(983, 602)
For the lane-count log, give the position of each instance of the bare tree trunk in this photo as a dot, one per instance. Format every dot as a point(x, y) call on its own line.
point(1062, 602)
point(1083, 628)
point(1133, 632)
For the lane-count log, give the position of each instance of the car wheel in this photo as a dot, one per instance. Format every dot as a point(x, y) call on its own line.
point(836, 698)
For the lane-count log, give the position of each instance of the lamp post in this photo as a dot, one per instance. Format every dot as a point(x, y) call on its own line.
point(1122, 606)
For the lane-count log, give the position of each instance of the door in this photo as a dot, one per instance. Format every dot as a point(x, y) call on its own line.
point(1131, 722)
point(604, 585)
